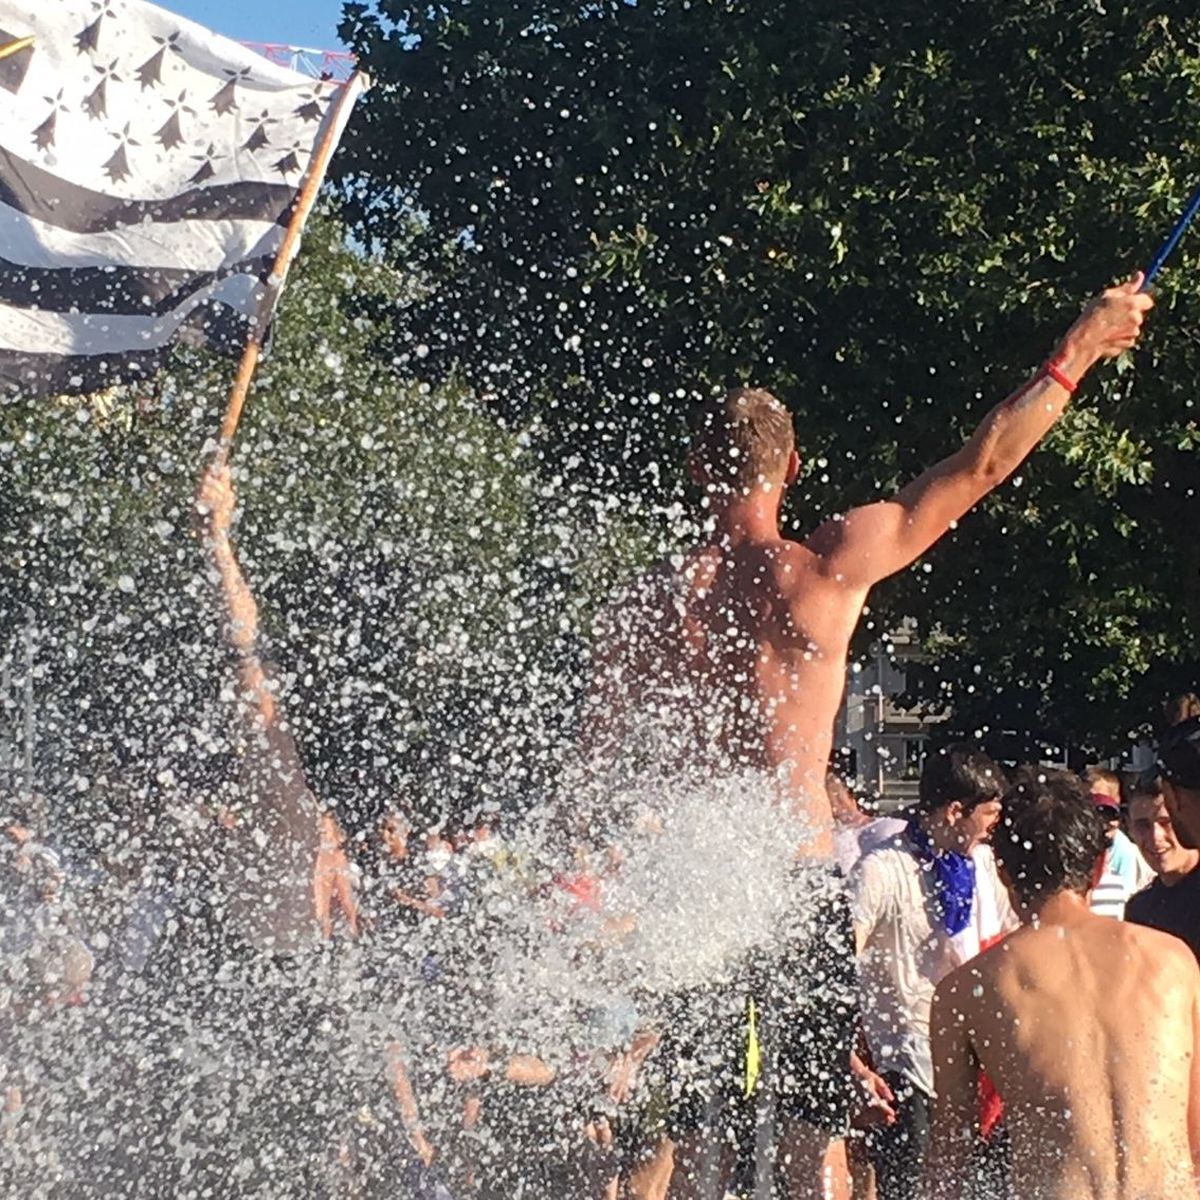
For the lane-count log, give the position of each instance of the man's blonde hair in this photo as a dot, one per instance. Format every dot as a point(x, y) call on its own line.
point(744, 439)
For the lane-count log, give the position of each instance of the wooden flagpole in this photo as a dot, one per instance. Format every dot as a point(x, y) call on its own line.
point(11, 48)
point(262, 317)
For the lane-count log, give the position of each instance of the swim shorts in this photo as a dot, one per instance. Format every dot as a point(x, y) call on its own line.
point(781, 1029)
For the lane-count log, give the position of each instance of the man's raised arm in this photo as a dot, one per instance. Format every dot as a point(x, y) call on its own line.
point(277, 843)
point(870, 543)
point(215, 502)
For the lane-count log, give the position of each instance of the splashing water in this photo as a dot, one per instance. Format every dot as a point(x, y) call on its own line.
point(429, 653)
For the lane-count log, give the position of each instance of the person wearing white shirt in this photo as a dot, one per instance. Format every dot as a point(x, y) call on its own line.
point(923, 903)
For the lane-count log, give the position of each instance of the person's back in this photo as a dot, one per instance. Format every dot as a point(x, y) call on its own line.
point(1088, 1032)
point(754, 645)
point(1087, 1026)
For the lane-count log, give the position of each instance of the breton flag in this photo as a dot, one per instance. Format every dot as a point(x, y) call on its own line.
point(148, 171)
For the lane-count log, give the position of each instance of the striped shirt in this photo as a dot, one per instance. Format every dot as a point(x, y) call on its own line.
point(1126, 872)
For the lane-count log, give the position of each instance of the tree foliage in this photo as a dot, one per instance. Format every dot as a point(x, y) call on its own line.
point(886, 212)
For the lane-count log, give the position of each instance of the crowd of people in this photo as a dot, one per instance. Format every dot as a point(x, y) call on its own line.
point(932, 888)
point(992, 993)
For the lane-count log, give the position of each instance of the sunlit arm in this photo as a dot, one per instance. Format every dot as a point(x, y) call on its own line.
point(1194, 1092)
point(241, 628)
point(276, 903)
point(870, 543)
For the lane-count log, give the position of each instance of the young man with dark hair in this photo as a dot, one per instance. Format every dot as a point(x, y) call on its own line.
point(1179, 776)
point(1172, 902)
point(1089, 1027)
point(1179, 708)
point(736, 653)
point(918, 915)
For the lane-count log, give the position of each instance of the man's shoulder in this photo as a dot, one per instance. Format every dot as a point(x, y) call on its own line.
point(647, 596)
point(880, 832)
point(887, 861)
point(796, 567)
point(971, 979)
point(1159, 947)
point(890, 846)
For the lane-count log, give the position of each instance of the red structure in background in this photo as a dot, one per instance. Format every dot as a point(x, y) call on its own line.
point(337, 65)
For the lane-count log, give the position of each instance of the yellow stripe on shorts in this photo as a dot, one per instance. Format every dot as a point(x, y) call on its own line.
point(753, 1050)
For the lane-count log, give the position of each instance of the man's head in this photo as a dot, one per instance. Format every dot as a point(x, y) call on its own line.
point(394, 832)
point(743, 441)
point(1151, 829)
point(1051, 838)
point(1179, 775)
point(959, 796)
point(1105, 789)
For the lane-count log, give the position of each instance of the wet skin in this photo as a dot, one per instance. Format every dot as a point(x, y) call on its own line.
point(1088, 1027)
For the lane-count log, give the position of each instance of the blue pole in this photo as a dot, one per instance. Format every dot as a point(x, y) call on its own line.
point(1173, 239)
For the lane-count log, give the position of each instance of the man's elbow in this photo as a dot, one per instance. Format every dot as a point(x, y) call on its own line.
point(991, 470)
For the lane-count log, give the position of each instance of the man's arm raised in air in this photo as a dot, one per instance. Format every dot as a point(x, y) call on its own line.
point(215, 502)
point(870, 543)
point(279, 842)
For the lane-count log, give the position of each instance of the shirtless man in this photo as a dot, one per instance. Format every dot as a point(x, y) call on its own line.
point(1088, 1026)
point(738, 650)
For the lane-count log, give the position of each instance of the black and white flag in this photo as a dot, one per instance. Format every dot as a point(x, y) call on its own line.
point(148, 170)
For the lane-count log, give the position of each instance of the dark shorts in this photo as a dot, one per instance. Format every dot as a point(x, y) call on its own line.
point(796, 1003)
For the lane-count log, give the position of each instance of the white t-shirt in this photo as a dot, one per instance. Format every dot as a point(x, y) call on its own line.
point(853, 842)
point(907, 953)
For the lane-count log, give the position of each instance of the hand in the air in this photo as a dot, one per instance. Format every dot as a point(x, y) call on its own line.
point(1112, 322)
point(216, 500)
point(623, 1069)
point(467, 1063)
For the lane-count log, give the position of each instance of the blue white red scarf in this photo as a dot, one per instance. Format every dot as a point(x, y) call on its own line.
point(953, 879)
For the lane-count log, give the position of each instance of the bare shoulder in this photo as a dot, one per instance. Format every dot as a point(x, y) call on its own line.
point(794, 567)
point(1162, 953)
point(647, 591)
point(973, 978)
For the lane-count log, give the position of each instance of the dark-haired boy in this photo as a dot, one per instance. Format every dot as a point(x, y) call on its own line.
point(1179, 776)
point(1088, 1026)
point(921, 908)
point(1172, 902)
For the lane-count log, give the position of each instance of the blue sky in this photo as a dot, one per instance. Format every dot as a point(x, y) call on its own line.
point(297, 22)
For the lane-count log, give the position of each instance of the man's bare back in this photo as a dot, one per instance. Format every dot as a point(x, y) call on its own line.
point(754, 639)
point(739, 648)
point(1088, 1028)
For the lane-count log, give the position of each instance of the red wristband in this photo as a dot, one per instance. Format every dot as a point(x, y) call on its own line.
point(1055, 371)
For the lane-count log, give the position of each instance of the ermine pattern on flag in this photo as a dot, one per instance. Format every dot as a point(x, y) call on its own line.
point(148, 169)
